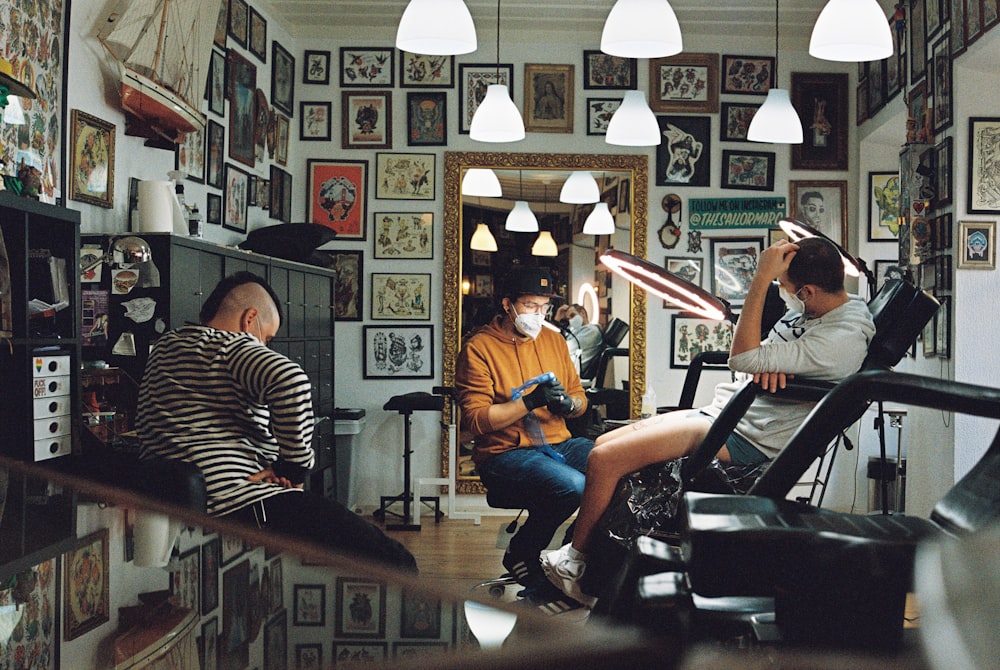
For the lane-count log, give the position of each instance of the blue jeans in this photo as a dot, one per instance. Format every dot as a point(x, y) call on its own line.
point(548, 489)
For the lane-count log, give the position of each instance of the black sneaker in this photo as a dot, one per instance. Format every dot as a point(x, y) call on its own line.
point(526, 572)
point(548, 600)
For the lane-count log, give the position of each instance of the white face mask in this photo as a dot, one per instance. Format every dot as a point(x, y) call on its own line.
point(576, 322)
point(529, 325)
point(793, 302)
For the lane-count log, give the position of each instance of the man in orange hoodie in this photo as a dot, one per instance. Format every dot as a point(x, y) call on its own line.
point(523, 449)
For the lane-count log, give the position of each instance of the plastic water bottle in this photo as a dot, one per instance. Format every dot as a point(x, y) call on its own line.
point(648, 403)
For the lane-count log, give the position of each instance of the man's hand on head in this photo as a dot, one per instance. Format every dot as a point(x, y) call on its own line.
point(774, 260)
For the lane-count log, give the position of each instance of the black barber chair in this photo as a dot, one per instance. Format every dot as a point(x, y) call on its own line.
point(837, 579)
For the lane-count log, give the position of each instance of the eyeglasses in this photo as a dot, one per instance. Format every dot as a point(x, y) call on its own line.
point(536, 307)
point(812, 209)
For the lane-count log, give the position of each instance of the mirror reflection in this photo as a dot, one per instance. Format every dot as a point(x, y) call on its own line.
point(560, 236)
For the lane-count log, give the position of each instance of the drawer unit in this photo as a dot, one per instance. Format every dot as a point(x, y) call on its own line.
point(61, 445)
point(52, 406)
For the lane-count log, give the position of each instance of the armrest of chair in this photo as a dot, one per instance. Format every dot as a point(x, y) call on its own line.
point(693, 376)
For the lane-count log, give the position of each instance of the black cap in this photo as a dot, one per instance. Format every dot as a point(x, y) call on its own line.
point(528, 281)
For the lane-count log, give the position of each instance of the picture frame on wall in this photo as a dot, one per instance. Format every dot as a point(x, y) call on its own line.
point(366, 119)
point(189, 156)
point(942, 327)
point(683, 157)
point(691, 335)
point(733, 261)
point(239, 17)
point(603, 71)
point(942, 232)
point(213, 209)
point(977, 248)
point(957, 21)
point(876, 87)
point(277, 195)
point(687, 268)
point(748, 170)
point(316, 67)
point(348, 653)
point(348, 269)
point(92, 160)
point(883, 206)
point(210, 558)
point(282, 79)
point(242, 107)
point(397, 351)
point(687, 83)
point(221, 25)
point(276, 642)
point(983, 194)
point(309, 656)
point(208, 649)
point(281, 132)
point(185, 582)
point(822, 205)
point(257, 40)
point(747, 75)
point(337, 196)
point(942, 169)
point(425, 71)
point(408, 176)
point(216, 86)
point(236, 199)
point(367, 621)
point(367, 67)
point(599, 113)
point(918, 39)
point(821, 101)
point(309, 605)
point(314, 121)
point(888, 269)
point(426, 118)
point(734, 120)
point(404, 235)
point(86, 578)
point(473, 79)
point(234, 645)
point(548, 98)
point(940, 79)
point(420, 615)
point(401, 296)
point(861, 103)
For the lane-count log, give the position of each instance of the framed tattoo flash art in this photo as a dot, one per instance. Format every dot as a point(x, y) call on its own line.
point(984, 165)
point(238, 21)
point(821, 101)
point(822, 205)
point(473, 80)
point(404, 176)
point(282, 79)
point(309, 605)
point(750, 170)
point(92, 161)
point(397, 352)
point(599, 113)
point(185, 583)
point(210, 558)
point(943, 171)
point(216, 86)
point(337, 196)
point(213, 209)
point(404, 235)
point(883, 206)
point(257, 41)
point(682, 158)
point(366, 119)
point(276, 642)
point(977, 248)
point(733, 261)
point(691, 335)
point(426, 118)
point(603, 71)
point(236, 199)
point(360, 608)
point(401, 296)
point(366, 67)
point(234, 651)
point(242, 107)
point(423, 71)
point(686, 83)
point(348, 268)
point(85, 585)
point(734, 121)
point(316, 67)
point(747, 75)
point(314, 121)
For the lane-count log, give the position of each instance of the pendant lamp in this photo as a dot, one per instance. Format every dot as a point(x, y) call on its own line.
point(600, 221)
point(545, 245)
point(633, 123)
point(481, 182)
point(497, 118)
point(580, 189)
point(436, 28)
point(776, 121)
point(521, 219)
point(641, 29)
point(482, 239)
point(851, 31)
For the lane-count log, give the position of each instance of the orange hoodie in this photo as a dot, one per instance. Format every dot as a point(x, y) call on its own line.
point(493, 363)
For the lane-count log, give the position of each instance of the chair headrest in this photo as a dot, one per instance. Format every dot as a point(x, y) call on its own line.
point(615, 332)
point(900, 311)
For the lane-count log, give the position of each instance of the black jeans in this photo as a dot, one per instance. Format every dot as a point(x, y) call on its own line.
point(313, 518)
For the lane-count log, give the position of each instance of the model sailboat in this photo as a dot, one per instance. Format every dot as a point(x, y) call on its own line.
point(161, 49)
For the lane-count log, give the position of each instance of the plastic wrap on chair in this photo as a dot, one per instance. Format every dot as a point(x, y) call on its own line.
point(646, 501)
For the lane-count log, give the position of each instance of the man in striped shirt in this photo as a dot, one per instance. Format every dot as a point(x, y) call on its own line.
point(215, 395)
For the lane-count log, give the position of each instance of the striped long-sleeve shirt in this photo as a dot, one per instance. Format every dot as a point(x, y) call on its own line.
point(231, 406)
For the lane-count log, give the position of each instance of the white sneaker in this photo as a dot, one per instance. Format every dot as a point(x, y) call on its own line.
point(565, 573)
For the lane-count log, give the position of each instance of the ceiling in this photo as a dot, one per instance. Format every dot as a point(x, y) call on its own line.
point(565, 21)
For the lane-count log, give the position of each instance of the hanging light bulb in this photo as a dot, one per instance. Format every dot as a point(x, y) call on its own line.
point(641, 29)
point(776, 121)
point(521, 219)
point(497, 118)
point(580, 189)
point(633, 123)
point(851, 31)
point(600, 221)
point(482, 239)
point(482, 182)
point(545, 245)
point(436, 28)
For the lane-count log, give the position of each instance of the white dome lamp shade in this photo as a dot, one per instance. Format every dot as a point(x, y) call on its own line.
point(545, 245)
point(633, 123)
point(641, 29)
point(436, 28)
point(776, 121)
point(481, 182)
point(580, 189)
point(600, 221)
point(521, 219)
point(497, 118)
point(482, 239)
point(851, 31)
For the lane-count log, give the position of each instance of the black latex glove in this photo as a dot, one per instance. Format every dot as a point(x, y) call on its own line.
point(552, 395)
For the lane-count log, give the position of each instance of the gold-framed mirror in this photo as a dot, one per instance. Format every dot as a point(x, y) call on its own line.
point(633, 168)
